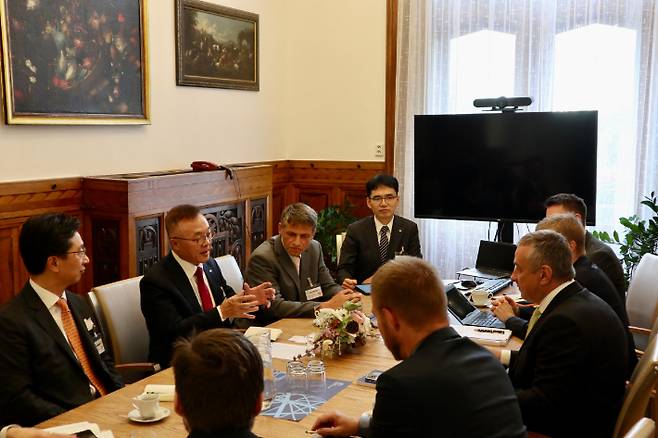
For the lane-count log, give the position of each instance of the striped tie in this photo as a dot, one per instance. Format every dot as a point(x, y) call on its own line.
point(383, 243)
point(533, 320)
point(74, 339)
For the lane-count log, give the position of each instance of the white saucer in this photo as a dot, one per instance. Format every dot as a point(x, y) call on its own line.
point(162, 413)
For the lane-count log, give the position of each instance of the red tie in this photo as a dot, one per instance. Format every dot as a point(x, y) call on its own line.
point(204, 293)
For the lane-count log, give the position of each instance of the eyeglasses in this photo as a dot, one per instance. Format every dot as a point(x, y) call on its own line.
point(198, 240)
point(387, 198)
point(82, 252)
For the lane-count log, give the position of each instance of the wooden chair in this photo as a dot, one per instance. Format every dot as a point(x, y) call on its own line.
point(645, 428)
point(231, 272)
point(642, 299)
point(118, 310)
point(639, 390)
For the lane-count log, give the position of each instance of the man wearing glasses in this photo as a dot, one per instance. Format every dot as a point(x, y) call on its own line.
point(52, 355)
point(374, 240)
point(185, 292)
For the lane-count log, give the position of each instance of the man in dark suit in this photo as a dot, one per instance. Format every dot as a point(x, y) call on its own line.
point(185, 292)
point(446, 385)
point(52, 355)
point(588, 275)
point(214, 367)
point(293, 262)
point(598, 252)
point(373, 240)
point(570, 372)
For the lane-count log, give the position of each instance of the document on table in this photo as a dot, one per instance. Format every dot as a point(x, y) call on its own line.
point(73, 428)
point(287, 351)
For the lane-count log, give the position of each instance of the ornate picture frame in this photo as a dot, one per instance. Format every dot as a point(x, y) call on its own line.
point(216, 46)
point(75, 62)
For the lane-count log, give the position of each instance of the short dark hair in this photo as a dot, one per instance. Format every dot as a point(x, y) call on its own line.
point(45, 236)
point(412, 288)
point(219, 380)
point(180, 213)
point(570, 202)
point(568, 225)
point(549, 248)
point(299, 214)
point(382, 180)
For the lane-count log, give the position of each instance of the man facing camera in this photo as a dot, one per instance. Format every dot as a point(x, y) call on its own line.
point(373, 240)
point(570, 372)
point(219, 384)
point(598, 252)
point(446, 385)
point(185, 292)
point(52, 355)
point(293, 262)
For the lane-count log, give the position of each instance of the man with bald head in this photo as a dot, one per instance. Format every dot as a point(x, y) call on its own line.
point(571, 370)
point(445, 385)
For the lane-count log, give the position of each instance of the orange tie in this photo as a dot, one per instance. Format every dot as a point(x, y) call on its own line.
point(74, 339)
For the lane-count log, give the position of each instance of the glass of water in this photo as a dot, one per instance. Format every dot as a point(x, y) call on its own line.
point(316, 377)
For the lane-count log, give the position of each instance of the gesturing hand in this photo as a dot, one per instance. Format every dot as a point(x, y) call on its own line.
point(239, 306)
point(336, 424)
point(264, 293)
point(337, 300)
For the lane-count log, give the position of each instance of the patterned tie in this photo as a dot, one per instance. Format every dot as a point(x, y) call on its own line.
point(383, 243)
point(204, 293)
point(76, 344)
point(533, 319)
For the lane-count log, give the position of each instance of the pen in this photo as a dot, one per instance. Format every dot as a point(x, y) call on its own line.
point(310, 283)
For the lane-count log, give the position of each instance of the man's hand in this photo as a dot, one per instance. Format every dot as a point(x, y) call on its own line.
point(264, 293)
point(349, 283)
point(29, 432)
point(337, 300)
point(504, 308)
point(336, 424)
point(239, 306)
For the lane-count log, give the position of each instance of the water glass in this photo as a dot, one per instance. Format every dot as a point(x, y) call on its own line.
point(296, 376)
point(264, 345)
point(316, 377)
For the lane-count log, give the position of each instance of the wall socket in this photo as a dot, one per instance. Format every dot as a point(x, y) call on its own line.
point(379, 150)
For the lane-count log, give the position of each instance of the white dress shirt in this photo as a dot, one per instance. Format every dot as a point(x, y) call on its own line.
point(190, 270)
point(378, 228)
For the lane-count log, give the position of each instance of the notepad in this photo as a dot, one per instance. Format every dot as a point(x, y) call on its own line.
point(166, 392)
point(484, 335)
point(274, 332)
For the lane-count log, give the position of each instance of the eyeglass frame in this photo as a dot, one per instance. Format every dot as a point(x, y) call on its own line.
point(82, 252)
point(380, 199)
point(198, 240)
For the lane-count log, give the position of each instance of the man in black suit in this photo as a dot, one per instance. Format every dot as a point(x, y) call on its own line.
point(293, 262)
point(185, 292)
point(373, 240)
point(52, 355)
point(588, 275)
point(446, 385)
point(570, 372)
point(598, 252)
point(219, 384)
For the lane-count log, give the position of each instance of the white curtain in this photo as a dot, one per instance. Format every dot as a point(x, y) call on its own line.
point(568, 55)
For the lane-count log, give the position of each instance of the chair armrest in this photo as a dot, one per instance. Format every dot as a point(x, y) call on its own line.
point(132, 372)
point(639, 330)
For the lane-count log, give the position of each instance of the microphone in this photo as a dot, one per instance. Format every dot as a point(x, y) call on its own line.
point(498, 103)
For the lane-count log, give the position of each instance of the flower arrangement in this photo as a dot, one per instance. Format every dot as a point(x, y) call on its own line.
point(340, 329)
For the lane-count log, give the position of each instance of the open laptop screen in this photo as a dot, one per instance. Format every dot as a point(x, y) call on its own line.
point(458, 303)
point(496, 255)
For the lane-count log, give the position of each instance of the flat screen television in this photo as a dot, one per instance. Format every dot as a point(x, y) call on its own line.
point(502, 166)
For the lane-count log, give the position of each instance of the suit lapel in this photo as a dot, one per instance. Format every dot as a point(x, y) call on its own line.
point(182, 283)
point(288, 266)
point(396, 237)
point(213, 274)
point(564, 294)
point(372, 239)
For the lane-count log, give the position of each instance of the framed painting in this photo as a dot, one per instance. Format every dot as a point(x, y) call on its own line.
point(216, 46)
point(74, 62)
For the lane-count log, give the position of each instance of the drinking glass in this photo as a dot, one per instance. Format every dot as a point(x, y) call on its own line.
point(264, 345)
point(316, 377)
point(296, 376)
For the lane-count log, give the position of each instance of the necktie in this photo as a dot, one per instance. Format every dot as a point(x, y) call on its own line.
point(204, 293)
point(533, 319)
point(297, 261)
point(76, 344)
point(383, 243)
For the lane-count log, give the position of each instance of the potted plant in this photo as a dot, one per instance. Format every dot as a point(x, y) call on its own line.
point(640, 237)
point(331, 221)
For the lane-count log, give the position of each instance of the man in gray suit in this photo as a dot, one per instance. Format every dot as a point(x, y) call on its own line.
point(292, 261)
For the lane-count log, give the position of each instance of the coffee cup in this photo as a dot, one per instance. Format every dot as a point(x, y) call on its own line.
point(481, 297)
point(147, 405)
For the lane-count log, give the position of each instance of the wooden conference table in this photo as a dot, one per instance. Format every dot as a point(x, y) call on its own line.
point(110, 412)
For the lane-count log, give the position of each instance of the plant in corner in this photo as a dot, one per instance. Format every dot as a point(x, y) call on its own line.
point(331, 221)
point(640, 237)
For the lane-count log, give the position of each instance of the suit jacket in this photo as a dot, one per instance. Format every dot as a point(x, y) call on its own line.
point(571, 370)
point(359, 255)
point(232, 433)
point(605, 258)
point(448, 387)
point(40, 377)
point(172, 310)
point(271, 262)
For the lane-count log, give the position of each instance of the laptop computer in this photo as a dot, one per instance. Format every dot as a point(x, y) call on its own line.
point(494, 260)
point(467, 313)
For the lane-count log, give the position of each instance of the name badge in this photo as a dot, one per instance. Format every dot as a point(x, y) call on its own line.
point(100, 347)
point(313, 293)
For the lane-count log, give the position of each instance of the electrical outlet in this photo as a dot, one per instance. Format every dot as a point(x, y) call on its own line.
point(379, 150)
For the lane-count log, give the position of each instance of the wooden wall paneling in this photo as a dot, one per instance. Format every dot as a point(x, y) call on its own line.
point(12, 272)
point(316, 197)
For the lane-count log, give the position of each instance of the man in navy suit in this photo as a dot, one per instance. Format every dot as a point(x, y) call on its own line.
point(373, 240)
point(185, 292)
point(446, 385)
point(52, 355)
point(571, 370)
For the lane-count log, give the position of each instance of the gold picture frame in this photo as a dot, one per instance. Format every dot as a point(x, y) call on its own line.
point(216, 46)
point(63, 64)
